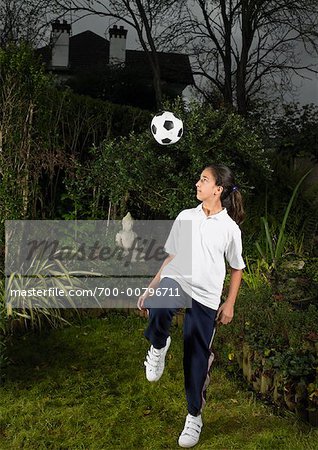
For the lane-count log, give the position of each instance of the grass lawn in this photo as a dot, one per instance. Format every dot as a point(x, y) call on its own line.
point(83, 387)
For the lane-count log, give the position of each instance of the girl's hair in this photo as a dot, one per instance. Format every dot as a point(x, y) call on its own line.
point(231, 197)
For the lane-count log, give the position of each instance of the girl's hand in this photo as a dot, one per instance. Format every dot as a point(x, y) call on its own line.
point(225, 313)
point(140, 302)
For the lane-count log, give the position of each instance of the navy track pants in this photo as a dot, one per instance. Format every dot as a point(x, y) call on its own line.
point(198, 333)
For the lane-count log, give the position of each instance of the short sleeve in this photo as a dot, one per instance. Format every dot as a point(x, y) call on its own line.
point(172, 243)
point(233, 252)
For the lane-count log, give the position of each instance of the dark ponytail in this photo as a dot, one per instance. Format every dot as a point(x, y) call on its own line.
point(231, 197)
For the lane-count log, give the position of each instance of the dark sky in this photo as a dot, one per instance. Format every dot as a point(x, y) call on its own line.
point(307, 89)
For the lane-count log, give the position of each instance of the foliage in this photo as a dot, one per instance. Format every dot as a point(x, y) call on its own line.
point(161, 179)
point(283, 336)
point(82, 121)
point(34, 312)
point(3, 327)
point(44, 132)
point(22, 85)
point(295, 281)
point(256, 273)
point(290, 129)
point(78, 123)
point(273, 249)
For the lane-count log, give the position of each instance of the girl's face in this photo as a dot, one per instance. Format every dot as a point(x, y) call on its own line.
point(206, 187)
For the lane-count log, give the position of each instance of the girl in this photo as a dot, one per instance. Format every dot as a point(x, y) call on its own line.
point(215, 235)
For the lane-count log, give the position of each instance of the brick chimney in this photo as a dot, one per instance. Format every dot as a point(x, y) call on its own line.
point(117, 45)
point(60, 40)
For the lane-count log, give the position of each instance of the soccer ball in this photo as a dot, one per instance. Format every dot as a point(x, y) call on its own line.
point(166, 128)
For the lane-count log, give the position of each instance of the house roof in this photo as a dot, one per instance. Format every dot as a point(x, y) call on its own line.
point(174, 67)
point(88, 50)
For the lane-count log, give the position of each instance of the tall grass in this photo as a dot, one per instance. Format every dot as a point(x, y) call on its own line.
point(255, 273)
point(272, 249)
point(36, 310)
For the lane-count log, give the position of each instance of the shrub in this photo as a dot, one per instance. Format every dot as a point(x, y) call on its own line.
point(44, 131)
point(150, 180)
point(275, 347)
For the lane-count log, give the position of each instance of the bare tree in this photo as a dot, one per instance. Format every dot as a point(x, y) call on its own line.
point(26, 21)
point(240, 46)
point(145, 16)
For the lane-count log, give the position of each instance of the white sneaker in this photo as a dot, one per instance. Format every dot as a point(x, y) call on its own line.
point(155, 361)
point(191, 432)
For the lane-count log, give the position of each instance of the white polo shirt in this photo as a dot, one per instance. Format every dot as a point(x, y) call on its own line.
point(210, 241)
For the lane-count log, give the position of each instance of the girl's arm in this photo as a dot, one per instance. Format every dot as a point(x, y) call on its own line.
point(154, 282)
point(226, 310)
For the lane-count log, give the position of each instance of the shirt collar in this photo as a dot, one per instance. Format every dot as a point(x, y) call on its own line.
point(217, 216)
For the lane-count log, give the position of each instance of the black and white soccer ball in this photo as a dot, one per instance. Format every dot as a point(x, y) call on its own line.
point(166, 128)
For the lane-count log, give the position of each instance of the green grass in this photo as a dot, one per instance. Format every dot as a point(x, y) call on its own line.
point(83, 387)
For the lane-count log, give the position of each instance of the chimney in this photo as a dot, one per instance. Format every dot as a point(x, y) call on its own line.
point(60, 39)
point(117, 45)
